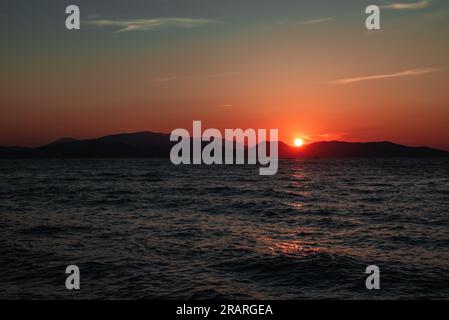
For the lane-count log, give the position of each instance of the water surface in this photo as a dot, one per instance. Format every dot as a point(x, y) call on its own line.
point(140, 228)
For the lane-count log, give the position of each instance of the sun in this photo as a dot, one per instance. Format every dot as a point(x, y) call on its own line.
point(299, 142)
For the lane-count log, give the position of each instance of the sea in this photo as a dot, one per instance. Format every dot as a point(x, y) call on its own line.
point(146, 229)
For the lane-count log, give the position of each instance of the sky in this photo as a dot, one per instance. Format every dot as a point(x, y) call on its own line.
point(308, 68)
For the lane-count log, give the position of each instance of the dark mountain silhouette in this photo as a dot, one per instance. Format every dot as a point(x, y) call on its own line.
point(62, 140)
point(139, 140)
point(14, 152)
point(337, 149)
point(141, 144)
point(158, 145)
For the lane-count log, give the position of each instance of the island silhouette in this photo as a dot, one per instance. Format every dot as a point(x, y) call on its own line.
point(158, 145)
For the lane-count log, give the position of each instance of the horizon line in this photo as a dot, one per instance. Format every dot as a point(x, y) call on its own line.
point(164, 133)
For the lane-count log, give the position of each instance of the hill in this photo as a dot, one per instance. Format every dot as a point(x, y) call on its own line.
point(158, 145)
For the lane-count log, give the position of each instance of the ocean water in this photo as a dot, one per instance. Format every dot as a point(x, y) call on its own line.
point(145, 229)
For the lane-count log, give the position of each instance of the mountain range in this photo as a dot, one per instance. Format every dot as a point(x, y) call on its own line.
point(158, 145)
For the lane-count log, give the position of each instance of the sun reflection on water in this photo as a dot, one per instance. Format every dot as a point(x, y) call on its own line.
point(290, 247)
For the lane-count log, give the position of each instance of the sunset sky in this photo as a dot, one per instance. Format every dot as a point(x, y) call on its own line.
point(308, 68)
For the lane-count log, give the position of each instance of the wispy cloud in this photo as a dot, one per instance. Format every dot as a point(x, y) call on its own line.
point(198, 77)
point(334, 136)
point(407, 6)
point(406, 73)
point(151, 24)
point(315, 21)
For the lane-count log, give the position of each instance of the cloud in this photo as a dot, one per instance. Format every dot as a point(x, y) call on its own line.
point(331, 136)
point(406, 73)
point(407, 6)
point(200, 77)
point(315, 21)
point(151, 24)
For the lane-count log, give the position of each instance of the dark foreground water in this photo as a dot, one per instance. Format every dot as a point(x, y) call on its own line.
point(147, 229)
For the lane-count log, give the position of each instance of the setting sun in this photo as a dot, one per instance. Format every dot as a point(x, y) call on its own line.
point(299, 142)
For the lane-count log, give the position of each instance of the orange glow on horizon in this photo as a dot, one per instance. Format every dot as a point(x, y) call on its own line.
point(299, 142)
